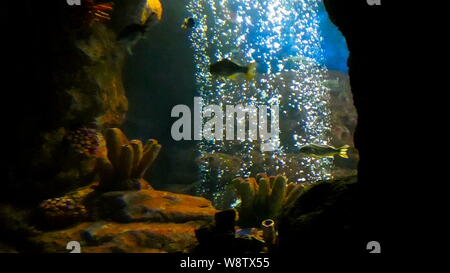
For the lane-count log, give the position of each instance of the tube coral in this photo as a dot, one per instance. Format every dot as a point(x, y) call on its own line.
point(269, 233)
point(264, 197)
point(126, 162)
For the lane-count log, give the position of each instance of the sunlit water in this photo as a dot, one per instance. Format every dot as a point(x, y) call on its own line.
point(283, 37)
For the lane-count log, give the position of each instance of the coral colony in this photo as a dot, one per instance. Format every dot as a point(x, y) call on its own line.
point(261, 121)
point(283, 38)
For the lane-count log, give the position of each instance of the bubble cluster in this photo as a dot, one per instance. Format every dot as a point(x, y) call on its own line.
point(283, 37)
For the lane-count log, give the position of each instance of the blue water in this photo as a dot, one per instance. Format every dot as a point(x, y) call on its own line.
point(334, 45)
point(333, 52)
point(161, 74)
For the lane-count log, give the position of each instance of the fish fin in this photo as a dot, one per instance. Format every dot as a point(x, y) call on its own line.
point(343, 151)
point(234, 76)
point(251, 73)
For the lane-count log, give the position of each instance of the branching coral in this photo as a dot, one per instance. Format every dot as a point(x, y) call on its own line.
point(264, 197)
point(127, 161)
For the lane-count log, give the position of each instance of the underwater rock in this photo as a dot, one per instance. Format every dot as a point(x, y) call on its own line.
point(126, 162)
point(15, 228)
point(58, 165)
point(153, 206)
point(220, 237)
point(321, 220)
point(86, 86)
point(264, 197)
point(110, 237)
point(80, 67)
point(4, 248)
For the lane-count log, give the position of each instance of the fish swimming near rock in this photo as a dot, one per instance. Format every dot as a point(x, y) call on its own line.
point(188, 23)
point(231, 70)
point(133, 33)
point(322, 151)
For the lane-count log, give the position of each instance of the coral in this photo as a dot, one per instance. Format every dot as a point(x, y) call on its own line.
point(62, 211)
point(264, 197)
point(269, 232)
point(127, 161)
point(69, 209)
point(84, 141)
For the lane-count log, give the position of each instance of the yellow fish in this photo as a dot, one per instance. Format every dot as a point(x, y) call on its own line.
point(321, 151)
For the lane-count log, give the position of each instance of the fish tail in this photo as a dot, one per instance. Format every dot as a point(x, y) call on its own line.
point(343, 151)
point(251, 72)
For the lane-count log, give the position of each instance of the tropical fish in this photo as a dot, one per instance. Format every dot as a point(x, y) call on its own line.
point(188, 23)
point(321, 151)
point(131, 34)
point(231, 70)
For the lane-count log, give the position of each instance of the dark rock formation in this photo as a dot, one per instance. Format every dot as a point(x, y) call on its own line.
point(220, 237)
point(323, 220)
point(65, 72)
point(342, 218)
